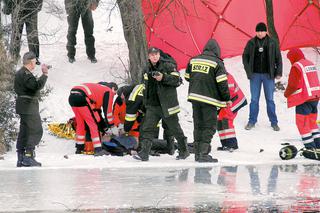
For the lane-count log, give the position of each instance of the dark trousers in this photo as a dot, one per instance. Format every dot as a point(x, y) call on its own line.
point(153, 116)
point(30, 132)
point(18, 21)
point(205, 124)
point(87, 24)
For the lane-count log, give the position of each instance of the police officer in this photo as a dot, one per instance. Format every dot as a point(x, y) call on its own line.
point(28, 87)
point(24, 13)
point(208, 89)
point(160, 98)
point(76, 9)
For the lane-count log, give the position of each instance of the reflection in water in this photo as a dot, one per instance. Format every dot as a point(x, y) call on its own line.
point(237, 189)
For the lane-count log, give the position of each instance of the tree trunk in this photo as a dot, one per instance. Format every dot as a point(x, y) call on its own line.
point(270, 20)
point(134, 33)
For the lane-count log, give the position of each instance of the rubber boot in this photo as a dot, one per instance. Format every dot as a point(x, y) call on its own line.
point(20, 155)
point(204, 156)
point(170, 145)
point(196, 150)
point(29, 159)
point(183, 149)
point(79, 149)
point(143, 155)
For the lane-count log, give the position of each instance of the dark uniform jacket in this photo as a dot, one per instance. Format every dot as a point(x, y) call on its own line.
point(208, 78)
point(274, 58)
point(165, 90)
point(80, 5)
point(135, 108)
point(28, 89)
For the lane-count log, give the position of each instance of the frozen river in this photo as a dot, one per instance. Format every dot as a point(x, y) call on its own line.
point(262, 188)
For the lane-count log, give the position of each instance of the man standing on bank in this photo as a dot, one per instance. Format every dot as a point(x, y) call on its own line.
point(208, 89)
point(161, 79)
point(23, 13)
point(28, 87)
point(76, 9)
point(263, 64)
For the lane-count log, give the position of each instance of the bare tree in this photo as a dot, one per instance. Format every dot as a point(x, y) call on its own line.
point(270, 20)
point(134, 33)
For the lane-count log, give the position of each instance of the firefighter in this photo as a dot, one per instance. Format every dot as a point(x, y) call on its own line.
point(76, 9)
point(303, 92)
point(208, 89)
point(28, 87)
point(135, 111)
point(160, 98)
point(86, 101)
point(227, 115)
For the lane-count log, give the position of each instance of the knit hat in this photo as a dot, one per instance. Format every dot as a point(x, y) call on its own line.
point(153, 50)
point(294, 55)
point(261, 27)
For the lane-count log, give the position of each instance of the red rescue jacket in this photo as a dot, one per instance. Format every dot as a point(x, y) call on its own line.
point(99, 96)
point(303, 82)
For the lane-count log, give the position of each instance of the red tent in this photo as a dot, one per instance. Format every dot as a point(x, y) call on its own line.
point(182, 27)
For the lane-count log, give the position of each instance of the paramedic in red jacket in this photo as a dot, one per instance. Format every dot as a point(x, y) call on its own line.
point(303, 92)
point(227, 115)
point(86, 101)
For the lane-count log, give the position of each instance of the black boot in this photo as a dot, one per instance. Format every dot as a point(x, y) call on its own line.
point(204, 156)
point(196, 150)
point(183, 149)
point(79, 148)
point(143, 155)
point(20, 155)
point(170, 145)
point(29, 159)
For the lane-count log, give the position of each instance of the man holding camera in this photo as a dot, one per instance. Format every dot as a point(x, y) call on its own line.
point(160, 97)
point(28, 87)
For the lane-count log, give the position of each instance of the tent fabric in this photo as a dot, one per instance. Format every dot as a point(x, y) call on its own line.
point(182, 27)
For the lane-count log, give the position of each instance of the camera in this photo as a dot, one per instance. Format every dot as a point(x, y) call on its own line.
point(49, 67)
point(155, 73)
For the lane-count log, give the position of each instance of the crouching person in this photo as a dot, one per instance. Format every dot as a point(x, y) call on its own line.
point(227, 115)
point(28, 87)
point(86, 101)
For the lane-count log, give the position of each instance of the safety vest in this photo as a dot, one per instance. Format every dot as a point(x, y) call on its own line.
point(309, 85)
point(237, 97)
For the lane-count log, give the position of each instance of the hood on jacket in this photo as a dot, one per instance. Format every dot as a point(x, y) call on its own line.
point(212, 48)
point(294, 55)
point(126, 90)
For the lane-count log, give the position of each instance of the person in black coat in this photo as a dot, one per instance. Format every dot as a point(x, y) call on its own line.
point(208, 90)
point(23, 12)
point(262, 62)
point(28, 87)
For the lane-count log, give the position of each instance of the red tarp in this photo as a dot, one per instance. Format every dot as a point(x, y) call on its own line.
point(182, 27)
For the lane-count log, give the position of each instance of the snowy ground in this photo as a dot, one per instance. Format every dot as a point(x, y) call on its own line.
point(258, 146)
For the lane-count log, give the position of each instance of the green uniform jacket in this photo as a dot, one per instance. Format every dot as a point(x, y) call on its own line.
point(28, 89)
point(207, 77)
point(166, 88)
